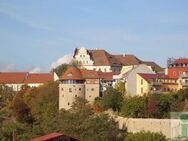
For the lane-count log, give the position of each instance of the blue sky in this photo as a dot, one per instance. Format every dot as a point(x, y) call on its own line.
point(34, 34)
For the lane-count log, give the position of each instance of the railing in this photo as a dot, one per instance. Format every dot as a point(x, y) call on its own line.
point(156, 83)
point(184, 75)
point(184, 83)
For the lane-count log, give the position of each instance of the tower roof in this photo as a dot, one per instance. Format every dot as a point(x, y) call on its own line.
point(72, 73)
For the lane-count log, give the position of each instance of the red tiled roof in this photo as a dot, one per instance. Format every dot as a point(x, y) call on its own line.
point(72, 73)
point(89, 74)
point(154, 66)
point(127, 59)
point(103, 58)
point(39, 78)
point(181, 61)
point(108, 76)
point(148, 77)
point(12, 77)
point(47, 137)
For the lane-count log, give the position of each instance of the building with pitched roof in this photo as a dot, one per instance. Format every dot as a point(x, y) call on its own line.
point(101, 60)
point(77, 82)
point(176, 67)
point(16, 80)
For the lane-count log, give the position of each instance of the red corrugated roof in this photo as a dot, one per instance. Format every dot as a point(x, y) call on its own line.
point(47, 137)
point(39, 78)
point(12, 77)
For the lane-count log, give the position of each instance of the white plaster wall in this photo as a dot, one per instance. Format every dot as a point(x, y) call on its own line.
point(131, 84)
point(15, 87)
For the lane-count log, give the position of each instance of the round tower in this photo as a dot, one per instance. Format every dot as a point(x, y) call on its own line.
point(71, 86)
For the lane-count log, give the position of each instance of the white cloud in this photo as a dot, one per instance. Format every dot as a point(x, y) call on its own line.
point(7, 67)
point(35, 70)
point(66, 59)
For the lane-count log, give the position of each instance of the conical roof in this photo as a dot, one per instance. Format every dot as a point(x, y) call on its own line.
point(72, 73)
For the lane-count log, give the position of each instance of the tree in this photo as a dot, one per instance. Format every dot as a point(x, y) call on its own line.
point(120, 87)
point(152, 107)
point(134, 107)
point(100, 128)
point(59, 70)
point(112, 99)
point(145, 136)
point(81, 122)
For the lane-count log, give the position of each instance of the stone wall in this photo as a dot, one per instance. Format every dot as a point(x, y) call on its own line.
point(170, 128)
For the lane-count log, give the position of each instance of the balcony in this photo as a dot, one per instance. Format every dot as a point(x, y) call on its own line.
point(184, 84)
point(156, 83)
point(184, 75)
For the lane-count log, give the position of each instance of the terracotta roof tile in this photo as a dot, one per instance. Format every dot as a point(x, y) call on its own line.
point(128, 59)
point(108, 76)
point(89, 74)
point(103, 58)
point(149, 77)
point(12, 77)
point(154, 66)
point(47, 137)
point(72, 73)
point(181, 61)
point(39, 78)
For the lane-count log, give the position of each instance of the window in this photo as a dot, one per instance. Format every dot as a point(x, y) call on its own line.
point(80, 89)
point(76, 96)
point(62, 95)
point(81, 56)
point(84, 56)
point(68, 103)
point(142, 90)
point(141, 81)
point(104, 69)
point(174, 73)
point(62, 89)
point(70, 90)
point(92, 89)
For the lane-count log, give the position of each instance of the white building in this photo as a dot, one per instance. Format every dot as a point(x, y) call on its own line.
point(101, 60)
point(132, 86)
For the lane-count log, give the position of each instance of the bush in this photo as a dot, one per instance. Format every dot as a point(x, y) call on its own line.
point(145, 136)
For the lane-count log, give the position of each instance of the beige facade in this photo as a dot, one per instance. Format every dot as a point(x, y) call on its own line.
point(143, 86)
point(68, 93)
point(78, 83)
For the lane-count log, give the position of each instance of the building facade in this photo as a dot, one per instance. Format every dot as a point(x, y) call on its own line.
point(101, 60)
point(176, 67)
point(78, 83)
point(16, 80)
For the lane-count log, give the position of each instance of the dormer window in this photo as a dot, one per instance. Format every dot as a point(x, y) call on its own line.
point(69, 75)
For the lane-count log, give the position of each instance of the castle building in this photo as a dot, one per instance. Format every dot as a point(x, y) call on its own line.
point(101, 60)
point(78, 83)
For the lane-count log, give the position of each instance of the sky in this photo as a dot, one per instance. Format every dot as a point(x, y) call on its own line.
point(39, 34)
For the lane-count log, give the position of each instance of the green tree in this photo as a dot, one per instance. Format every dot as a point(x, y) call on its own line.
point(112, 99)
point(134, 107)
point(120, 87)
point(59, 70)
